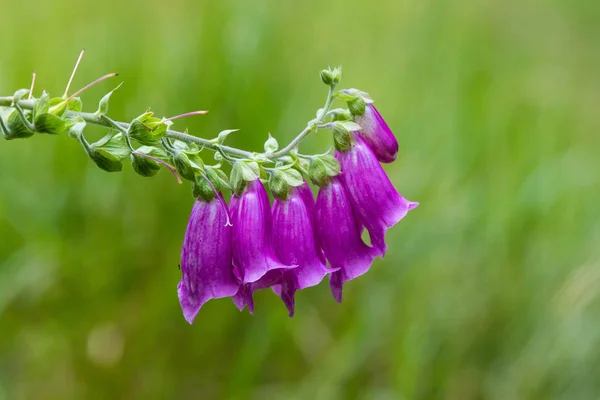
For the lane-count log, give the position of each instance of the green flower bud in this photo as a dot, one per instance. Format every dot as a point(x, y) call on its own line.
point(15, 126)
point(337, 75)
point(148, 130)
point(327, 77)
point(105, 160)
point(322, 168)
point(75, 104)
point(271, 145)
point(182, 163)
point(144, 166)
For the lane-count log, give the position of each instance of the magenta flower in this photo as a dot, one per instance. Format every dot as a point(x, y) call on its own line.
point(253, 254)
point(309, 202)
point(375, 201)
point(206, 263)
point(294, 243)
point(340, 233)
point(377, 134)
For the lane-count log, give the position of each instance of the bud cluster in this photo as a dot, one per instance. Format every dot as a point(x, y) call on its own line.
point(234, 250)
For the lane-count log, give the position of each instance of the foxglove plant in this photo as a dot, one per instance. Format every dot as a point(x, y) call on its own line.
point(237, 249)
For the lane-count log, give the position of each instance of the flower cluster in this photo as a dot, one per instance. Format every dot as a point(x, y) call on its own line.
point(234, 250)
point(252, 245)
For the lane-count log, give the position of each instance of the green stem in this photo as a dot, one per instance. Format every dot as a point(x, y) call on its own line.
point(95, 119)
point(311, 127)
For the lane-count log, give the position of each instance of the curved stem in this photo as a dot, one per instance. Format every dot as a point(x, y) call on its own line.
point(206, 143)
point(313, 126)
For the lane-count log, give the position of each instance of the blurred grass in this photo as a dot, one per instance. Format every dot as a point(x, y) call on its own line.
point(489, 289)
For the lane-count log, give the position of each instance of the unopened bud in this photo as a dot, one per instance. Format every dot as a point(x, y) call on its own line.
point(271, 145)
point(327, 77)
point(144, 166)
point(182, 163)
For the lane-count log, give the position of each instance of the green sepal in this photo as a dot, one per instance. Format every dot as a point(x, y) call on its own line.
point(182, 163)
point(114, 144)
point(144, 166)
point(58, 106)
point(41, 105)
point(322, 168)
point(357, 105)
point(242, 172)
point(50, 124)
point(147, 129)
point(16, 126)
point(101, 157)
point(75, 104)
point(282, 180)
point(105, 160)
point(76, 128)
point(155, 152)
point(202, 187)
point(342, 135)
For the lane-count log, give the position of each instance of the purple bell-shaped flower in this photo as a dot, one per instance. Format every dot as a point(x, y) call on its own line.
point(375, 200)
point(206, 257)
point(294, 243)
point(377, 134)
point(340, 236)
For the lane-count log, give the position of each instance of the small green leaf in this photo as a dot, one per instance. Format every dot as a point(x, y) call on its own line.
point(41, 105)
point(223, 135)
point(103, 105)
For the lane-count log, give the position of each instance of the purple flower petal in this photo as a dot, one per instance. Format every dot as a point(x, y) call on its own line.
point(376, 133)
point(375, 201)
point(340, 236)
point(309, 200)
point(206, 262)
point(294, 243)
point(253, 254)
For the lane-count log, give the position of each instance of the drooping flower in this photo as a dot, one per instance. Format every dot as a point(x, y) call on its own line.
point(309, 201)
point(206, 257)
point(374, 199)
point(340, 236)
point(377, 134)
point(253, 254)
point(294, 243)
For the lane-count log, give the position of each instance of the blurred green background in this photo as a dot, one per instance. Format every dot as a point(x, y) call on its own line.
point(490, 289)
